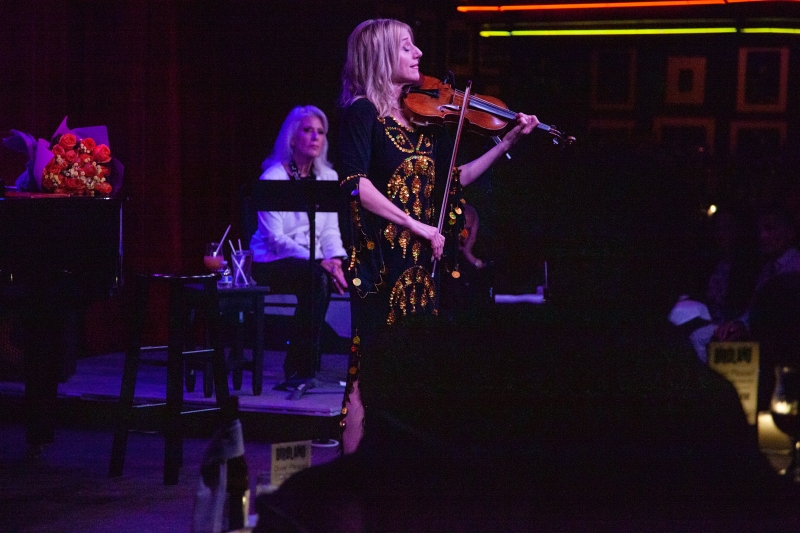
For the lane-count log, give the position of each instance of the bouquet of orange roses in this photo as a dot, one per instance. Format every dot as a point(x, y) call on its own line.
point(79, 167)
point(76, 162)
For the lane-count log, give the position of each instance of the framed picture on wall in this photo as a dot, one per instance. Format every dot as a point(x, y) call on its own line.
point(460, 47)
point(685, 134)
point(757, 138)
point(762, 79)
point(613, 79)
point(611, 132)
point(686, 80)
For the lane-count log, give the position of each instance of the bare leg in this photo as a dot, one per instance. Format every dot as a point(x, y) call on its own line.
point(354, 421)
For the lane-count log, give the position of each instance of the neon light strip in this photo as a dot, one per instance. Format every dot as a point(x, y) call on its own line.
point(770, 30)
point(638, 31)
point(606, 5)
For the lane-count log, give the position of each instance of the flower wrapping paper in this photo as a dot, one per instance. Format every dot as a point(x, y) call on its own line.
point(39, 155)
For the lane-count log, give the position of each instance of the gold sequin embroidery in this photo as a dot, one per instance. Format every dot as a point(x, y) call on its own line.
point(415, 185)
point(424, 145)
point(350, 177)
point(390, 232)
point(417, 207)
point(408, 180)
point(398, 188)
point(412, 292)
point(405, 236)
point(399, 139)
point(416, 248)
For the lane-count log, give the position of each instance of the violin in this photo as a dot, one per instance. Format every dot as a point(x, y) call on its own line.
point(436, 102)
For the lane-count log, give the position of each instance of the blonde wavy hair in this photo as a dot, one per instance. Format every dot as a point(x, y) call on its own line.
point(372, 53)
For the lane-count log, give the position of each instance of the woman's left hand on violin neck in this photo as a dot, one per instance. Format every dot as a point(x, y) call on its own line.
point(525, 124)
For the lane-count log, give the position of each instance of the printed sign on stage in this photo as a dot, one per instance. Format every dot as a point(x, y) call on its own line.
point(288, 458)
point(738, 361)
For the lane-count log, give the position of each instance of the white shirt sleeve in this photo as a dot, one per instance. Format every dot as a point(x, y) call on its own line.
point(328, 233)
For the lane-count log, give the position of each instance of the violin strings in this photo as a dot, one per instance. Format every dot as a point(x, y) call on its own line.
point(491, 107)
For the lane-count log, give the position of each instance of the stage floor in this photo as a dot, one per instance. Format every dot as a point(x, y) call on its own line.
point(99, 378)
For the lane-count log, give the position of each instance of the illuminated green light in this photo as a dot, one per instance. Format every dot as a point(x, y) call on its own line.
point(770, 30)
point(631, 31)
point(606, 5)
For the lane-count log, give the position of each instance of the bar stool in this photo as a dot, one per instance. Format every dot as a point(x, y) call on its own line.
point(234, 304)
point(178, 361)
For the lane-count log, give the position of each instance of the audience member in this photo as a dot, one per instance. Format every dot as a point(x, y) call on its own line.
point(777, 244)
point(727, 268)
point(734, 266)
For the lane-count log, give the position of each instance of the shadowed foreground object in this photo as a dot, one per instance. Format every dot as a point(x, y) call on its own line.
point(617, 434)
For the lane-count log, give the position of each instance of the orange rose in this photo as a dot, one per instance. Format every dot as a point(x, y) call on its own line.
point(71, 156)
point(89, 170)
point(88, 143)
point(53, 168)
point(74, 183)
point(102, 153)
point(68, 141)
point(103, 188)
point(59, 150)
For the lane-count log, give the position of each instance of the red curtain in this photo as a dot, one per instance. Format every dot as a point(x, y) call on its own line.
point(192, 93)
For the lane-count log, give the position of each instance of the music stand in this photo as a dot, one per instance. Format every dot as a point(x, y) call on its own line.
point(311, 197)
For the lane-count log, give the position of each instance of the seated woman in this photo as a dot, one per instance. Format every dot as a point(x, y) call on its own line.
point(728, 266)
point(281, 244)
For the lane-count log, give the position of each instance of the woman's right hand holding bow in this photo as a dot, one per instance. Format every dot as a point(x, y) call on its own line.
point(430, 233)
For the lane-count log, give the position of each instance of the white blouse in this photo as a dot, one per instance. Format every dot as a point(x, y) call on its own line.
point(283, 234)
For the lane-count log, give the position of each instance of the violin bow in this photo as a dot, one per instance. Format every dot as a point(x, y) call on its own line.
point(459, 128)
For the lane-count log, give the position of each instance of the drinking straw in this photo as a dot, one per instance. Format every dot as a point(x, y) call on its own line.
point(222, 239)
point(240, 245)
point(232, 246)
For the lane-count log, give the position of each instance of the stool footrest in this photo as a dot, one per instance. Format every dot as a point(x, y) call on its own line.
point(179, 363)
point(201, 351)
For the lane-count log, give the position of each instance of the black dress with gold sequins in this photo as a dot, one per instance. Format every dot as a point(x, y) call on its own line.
point(389, 267)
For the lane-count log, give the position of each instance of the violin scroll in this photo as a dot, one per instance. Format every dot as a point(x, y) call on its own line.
point(558, 137)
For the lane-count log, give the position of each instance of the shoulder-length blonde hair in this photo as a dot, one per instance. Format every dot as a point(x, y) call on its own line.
point(282, 152)
point(372, 52)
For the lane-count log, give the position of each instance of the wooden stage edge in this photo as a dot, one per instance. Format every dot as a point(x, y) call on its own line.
point(99, 379)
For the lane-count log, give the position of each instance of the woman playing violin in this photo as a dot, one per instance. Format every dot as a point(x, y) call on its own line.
point(395, 173)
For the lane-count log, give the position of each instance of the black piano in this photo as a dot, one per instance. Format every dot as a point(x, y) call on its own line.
point(43, 233)
point(57, 255)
